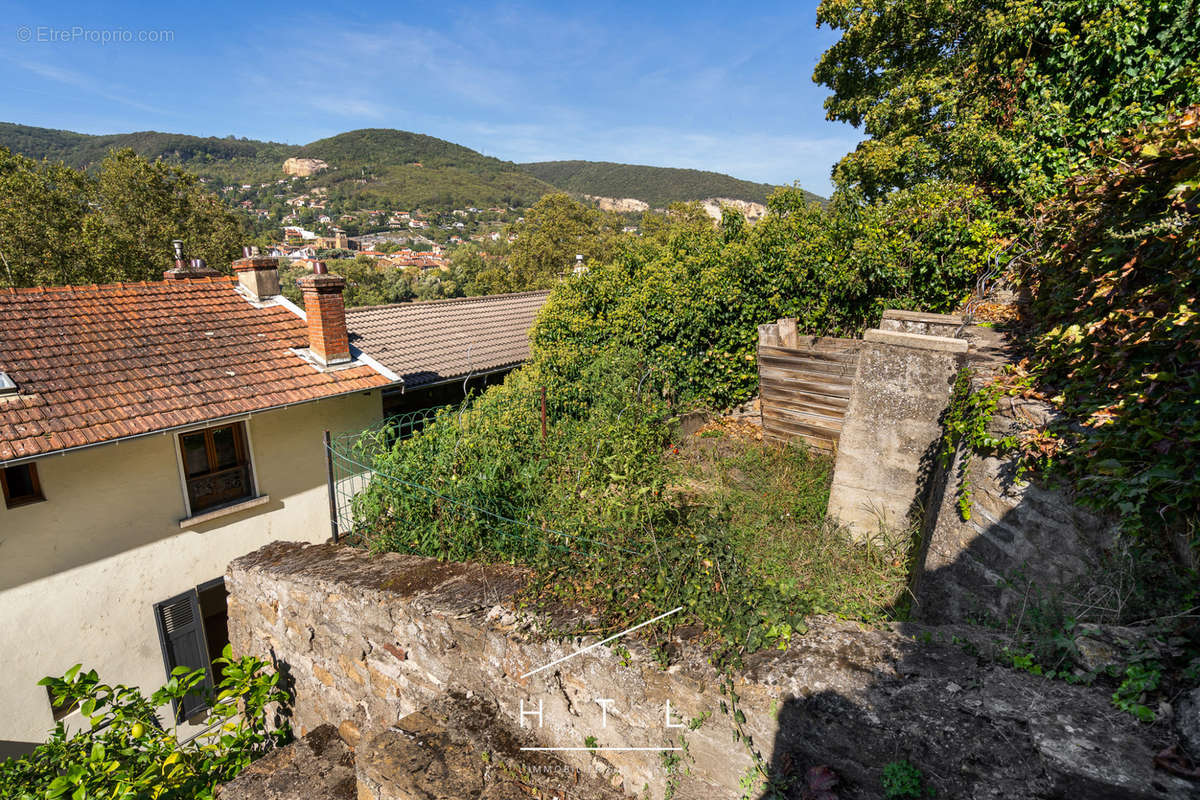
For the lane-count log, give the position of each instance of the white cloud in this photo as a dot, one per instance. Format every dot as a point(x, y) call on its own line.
point(83, 83)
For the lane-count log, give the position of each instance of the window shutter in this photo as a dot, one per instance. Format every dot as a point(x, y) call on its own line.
point(181, 634)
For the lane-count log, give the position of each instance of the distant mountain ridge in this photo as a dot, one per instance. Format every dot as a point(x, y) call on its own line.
point(372, 166)
point(389, 167)
point(657, 186)
point(81, 150)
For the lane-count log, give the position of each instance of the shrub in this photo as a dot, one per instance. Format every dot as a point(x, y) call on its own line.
point(901, 781)
point(126, 753)
point(688, 297)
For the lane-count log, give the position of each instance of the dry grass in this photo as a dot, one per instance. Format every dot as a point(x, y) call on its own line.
point(773, 500)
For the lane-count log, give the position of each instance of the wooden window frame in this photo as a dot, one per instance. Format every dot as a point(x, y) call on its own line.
point(245, 459)
point(22, 500)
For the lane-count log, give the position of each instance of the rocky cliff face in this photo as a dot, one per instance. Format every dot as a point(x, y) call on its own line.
point(712, 206)
point(753, 212)
point(303, 167)
point(619, 204)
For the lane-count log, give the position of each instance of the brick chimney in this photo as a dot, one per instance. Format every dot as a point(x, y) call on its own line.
point(184, 269)
point(326, 312)
point(258, 275)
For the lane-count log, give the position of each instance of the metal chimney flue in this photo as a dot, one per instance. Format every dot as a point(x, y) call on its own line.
point(185, 269)
point(320, 269)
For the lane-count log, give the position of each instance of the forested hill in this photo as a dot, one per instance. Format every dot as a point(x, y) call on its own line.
point(385, 167)
point(657, 186)
point(386, 146)
point(371, 166)
point(81, 150)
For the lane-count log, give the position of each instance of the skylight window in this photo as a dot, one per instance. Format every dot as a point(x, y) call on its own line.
point(7, 385)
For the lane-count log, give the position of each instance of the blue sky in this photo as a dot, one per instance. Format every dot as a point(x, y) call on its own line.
point(702, 85)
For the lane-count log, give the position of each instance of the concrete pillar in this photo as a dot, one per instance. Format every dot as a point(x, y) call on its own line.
point(890, 436)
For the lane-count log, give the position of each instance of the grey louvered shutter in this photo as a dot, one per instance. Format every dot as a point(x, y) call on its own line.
point(181, 634)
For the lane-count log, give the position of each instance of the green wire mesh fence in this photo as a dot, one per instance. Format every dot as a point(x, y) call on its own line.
point(350, 456)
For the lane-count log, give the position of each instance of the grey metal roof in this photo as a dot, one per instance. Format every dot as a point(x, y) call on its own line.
point(432, 341)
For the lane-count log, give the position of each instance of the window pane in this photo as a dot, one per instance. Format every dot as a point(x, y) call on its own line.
point(20, 481)
point(226, 447)
point(195, 457)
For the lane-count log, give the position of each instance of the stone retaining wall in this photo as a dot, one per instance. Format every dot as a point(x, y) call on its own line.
point(1021, 542)
point(367, 640)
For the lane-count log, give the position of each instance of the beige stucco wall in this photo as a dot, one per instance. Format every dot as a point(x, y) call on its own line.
point(79, 573)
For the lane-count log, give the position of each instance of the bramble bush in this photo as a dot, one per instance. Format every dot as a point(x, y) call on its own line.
point(125, 753)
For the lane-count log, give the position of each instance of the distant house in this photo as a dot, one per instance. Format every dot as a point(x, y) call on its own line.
point(295, 232)
point(337, 241)
point(150, 433)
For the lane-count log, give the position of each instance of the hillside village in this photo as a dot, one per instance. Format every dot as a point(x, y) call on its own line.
point(380, 468)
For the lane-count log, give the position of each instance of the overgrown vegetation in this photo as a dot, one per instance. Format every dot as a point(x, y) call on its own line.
point(903, 781)
point(1114, 334)
point(126, 754)
point(609, 515)
point(688, 298)
point(772, 502)
point(966, 425)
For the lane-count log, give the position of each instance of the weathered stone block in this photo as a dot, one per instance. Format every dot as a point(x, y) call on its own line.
point(887, 450)
point(318, 766)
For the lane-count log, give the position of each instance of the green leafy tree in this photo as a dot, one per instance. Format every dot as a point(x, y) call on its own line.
point(42, 207)
point(555, 230)
point(142, 206)
point(59, 225)
point(1004, 94)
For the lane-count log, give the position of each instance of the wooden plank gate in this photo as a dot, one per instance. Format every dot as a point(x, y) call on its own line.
point(804, 384)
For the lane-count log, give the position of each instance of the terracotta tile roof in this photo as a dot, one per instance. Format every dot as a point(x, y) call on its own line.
point(428, 342)
point(94, 363)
